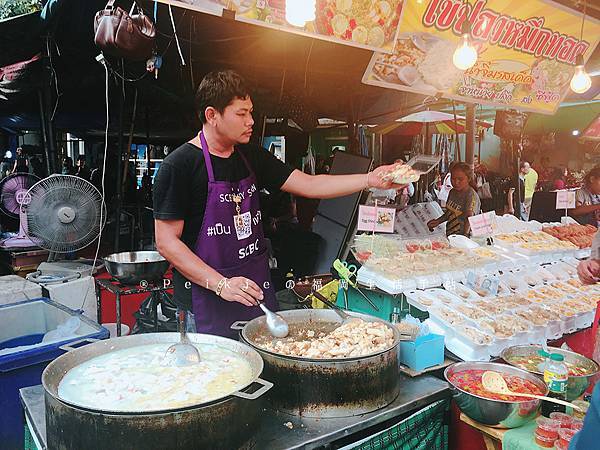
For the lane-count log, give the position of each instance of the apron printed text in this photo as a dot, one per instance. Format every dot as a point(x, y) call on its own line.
point(249, 249)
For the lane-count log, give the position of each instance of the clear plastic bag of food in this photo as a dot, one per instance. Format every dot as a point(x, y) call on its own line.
point(402, 174)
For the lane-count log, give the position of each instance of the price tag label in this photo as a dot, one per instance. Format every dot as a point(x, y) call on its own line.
point(376, 219)
point(483, 224)
point(565, 199)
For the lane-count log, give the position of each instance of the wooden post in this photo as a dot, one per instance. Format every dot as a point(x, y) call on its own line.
point(471, 126)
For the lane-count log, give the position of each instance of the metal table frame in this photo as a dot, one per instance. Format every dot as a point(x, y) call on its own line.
point(415, 393)
point(119, 290)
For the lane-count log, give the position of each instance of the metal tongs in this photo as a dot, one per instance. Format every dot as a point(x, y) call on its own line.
point(346, 274)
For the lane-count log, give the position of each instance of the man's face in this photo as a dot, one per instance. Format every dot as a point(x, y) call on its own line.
point(235, 123)
point(525, 169)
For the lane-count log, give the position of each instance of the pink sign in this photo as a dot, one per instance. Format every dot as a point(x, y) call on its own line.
point(376, 219)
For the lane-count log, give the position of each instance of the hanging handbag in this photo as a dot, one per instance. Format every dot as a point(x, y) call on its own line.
point(129, 36)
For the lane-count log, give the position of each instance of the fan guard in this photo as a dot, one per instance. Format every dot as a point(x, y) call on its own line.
point(64, 213)
point(13, 189)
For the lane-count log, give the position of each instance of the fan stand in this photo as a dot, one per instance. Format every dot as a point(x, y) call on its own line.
point(20, 240)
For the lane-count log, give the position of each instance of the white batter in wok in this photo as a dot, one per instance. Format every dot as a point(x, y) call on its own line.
point(133, 379)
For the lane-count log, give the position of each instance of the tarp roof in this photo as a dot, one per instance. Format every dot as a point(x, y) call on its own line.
point(288, 71)
point(566, 119)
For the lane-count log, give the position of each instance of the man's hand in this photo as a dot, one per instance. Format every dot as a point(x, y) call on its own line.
point(589, 271)
point(242, 290)
point(374, 178)
point(433, 224)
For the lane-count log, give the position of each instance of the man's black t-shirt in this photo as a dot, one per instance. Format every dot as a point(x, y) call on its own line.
point(181, 188)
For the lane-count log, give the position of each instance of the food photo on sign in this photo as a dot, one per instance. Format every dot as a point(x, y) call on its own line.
point(367, 24)
point(526, 52)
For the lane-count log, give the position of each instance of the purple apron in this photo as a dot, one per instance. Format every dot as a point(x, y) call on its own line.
point(231, 241)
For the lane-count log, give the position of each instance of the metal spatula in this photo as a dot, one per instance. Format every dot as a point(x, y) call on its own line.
point(184, 353)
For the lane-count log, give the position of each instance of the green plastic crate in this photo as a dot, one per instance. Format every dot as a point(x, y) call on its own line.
point(29, 441)
point(385, 302)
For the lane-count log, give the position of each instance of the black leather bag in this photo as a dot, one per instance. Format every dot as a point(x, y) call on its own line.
point(119, 33)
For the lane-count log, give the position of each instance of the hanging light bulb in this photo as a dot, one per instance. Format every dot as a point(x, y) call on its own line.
point(581, 81)
point(465, 56)
point(298, 12)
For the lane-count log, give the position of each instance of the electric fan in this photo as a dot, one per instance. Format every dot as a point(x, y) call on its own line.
point(14, 198)
point(64, 213)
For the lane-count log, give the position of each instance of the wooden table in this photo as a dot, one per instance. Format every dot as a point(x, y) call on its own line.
point(492, 437)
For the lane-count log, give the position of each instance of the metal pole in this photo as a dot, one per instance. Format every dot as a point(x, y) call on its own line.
point(119, 168)
point(471, 128)
point(518, 180)
point(46, 111)
point(44, 131)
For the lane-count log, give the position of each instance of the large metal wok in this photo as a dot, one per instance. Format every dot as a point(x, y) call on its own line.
point(225, 423)
point(339, 387)
point(136, 267)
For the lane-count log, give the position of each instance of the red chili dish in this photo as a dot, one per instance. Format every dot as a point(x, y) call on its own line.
point(470, 381)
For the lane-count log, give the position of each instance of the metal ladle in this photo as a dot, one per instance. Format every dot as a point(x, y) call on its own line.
point(494, 382)
point(184, 353)
point(276, 325)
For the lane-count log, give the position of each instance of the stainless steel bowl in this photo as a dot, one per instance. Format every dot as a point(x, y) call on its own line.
point(577, 384)
point(136, 267)
point(495, 413)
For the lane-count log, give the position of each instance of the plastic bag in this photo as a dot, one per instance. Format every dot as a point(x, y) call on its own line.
point(167, 315)
point(65, 330)
point(423, 327)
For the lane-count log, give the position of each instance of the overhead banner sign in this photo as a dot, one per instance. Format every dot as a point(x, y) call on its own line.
point(11, 9)
point(370, 24)
point(527, 51)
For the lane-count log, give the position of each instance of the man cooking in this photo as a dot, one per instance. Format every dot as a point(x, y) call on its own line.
point(207, 212)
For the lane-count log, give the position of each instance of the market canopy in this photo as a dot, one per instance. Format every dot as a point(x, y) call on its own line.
point(416, 123)
point(592, 133)
point(288, 71)
point(566, 119)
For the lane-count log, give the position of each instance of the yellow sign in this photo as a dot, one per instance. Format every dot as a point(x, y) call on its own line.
point(526, 52)
point(370, 24)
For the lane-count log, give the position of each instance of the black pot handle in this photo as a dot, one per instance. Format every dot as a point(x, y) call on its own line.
point(266, 385)
point(71, 345)
point(239, 325)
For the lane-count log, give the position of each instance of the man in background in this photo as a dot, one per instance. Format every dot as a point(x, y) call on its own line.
point(530, 179)
point(82, 169)
point(21, 162)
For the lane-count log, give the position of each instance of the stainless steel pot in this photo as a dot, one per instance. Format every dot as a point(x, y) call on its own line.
point(136, 267)
point(325, 387)
point(495, 413)
point(225, 423)
point(577, 384)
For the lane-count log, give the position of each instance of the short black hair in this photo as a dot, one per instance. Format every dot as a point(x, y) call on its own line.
point(218, 89)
